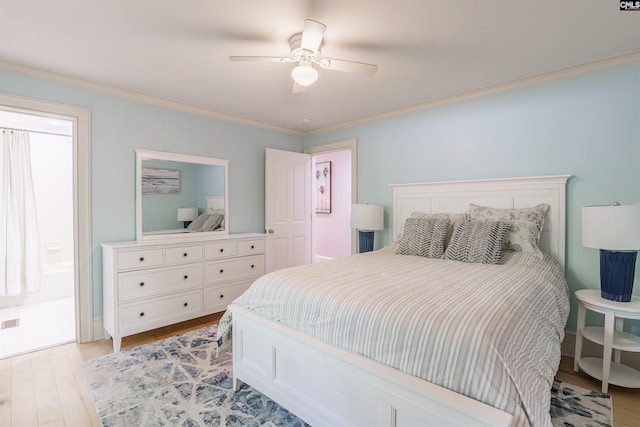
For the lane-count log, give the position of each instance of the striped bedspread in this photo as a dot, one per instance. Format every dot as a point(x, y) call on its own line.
point(490, 332)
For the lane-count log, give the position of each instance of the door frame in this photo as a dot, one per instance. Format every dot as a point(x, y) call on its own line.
point(81, 118)
point(348, 144)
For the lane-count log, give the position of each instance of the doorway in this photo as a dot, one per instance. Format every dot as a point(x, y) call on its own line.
point(332, 236)
point(37, 298)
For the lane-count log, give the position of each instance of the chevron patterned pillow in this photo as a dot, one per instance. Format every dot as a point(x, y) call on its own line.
point(423, 237)
point(453, 218)
point(477, 241)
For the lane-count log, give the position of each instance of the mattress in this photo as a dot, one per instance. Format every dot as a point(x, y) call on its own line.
point(489, 332)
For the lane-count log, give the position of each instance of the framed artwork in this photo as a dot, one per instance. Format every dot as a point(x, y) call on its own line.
point(322, 181)
point(160, 181)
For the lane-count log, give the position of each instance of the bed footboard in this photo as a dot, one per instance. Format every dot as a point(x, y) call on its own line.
point(327, 386)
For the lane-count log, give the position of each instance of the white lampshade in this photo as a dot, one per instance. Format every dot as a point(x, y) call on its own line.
point(612, 227)
point(367, 217)
point(304, 75)
point(187, 214)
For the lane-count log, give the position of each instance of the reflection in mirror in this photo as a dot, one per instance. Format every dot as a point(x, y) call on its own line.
point(180, 195)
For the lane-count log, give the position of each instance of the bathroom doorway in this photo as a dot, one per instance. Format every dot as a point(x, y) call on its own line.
point(37, 295)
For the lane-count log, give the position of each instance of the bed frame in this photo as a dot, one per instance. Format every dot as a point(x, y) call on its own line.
point(327, 386)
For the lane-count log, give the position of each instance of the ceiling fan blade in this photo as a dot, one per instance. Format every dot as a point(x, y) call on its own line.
point(258, 58)
point(298, 88)
point(312, 34)
point(348, 66)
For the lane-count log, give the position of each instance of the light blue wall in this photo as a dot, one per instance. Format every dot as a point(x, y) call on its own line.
point(118, 126)
point(587, 127)
point(159, 211)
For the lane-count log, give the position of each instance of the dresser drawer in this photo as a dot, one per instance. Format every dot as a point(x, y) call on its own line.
point(139, 259)
point(218, 298)
point(250, 247)
point(237, 268)
point(183, 254)
point(161, 311)
point(147, 283)
point(219, 250)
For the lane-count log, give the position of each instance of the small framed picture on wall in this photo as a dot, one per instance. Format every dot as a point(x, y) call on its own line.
point(322, 182)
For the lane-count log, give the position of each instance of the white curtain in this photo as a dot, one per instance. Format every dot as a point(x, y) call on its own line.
point(20, 258)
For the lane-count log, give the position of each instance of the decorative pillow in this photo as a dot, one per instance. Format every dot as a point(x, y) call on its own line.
point(423, 237)
point(477, 241)
point(214, 211)
point(526, 225)
point(213, 222)
point(196, 224)
point(453, 219)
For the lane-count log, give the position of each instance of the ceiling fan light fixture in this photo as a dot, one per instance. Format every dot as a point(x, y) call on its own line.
point(304, 75)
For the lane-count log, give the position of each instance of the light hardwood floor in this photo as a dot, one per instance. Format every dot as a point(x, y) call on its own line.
point(45, 388)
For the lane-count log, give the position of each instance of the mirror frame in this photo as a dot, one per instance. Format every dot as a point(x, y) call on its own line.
point(183, 158)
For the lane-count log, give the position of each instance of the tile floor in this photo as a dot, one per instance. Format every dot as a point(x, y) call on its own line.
point(40, 325)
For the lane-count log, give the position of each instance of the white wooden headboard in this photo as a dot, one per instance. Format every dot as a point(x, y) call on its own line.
point(502, 193)
point(215, 202)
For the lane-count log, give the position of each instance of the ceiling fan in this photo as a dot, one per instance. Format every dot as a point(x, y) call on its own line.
point(305, 50)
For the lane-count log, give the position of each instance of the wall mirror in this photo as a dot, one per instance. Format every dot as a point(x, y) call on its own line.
point(179, 195)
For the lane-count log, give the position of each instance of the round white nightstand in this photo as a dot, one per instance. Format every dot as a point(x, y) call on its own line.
point(611, 337)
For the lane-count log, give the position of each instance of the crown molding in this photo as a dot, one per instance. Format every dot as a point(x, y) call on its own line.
point(25, 70)
point(631, 58)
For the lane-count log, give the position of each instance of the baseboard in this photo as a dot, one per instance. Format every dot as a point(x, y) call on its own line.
point(591, 349)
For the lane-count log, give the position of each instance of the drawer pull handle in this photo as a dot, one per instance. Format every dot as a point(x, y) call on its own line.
point(252, 266)
point(142, 314)
point(141, 259)
point(252, 247)
point(186, 304)
point(221, 250)
point(185, 254)
point(186, 276)
point(221, 296)
point(221, 271)
point(141, 283)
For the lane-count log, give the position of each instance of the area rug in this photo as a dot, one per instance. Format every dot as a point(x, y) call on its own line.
point(185, 381)
point(575, 406)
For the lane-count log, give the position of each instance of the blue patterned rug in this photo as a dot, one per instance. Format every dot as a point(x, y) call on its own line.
point(184, 381)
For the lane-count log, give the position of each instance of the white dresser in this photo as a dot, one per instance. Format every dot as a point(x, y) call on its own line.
point(149, 284)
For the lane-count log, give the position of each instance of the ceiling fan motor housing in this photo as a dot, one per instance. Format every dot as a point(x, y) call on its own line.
point(297, 52)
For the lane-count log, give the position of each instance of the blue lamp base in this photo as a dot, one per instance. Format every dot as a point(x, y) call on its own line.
point(185, 224)
point(616, 274)
point(365, 241)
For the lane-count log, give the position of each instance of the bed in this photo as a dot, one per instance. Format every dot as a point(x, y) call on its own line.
point(406, 340)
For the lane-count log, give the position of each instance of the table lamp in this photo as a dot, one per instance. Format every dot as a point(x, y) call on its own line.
point(366, 219)
point(615, 230)
point(187, 215)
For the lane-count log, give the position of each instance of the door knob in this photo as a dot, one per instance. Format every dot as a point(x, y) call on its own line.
point(270, 231)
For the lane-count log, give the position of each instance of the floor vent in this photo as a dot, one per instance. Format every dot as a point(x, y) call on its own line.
point(13, 323)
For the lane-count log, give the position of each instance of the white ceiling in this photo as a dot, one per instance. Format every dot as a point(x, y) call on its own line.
point(425, 49)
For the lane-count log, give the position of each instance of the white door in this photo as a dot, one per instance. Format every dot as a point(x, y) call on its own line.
point(287, 208)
